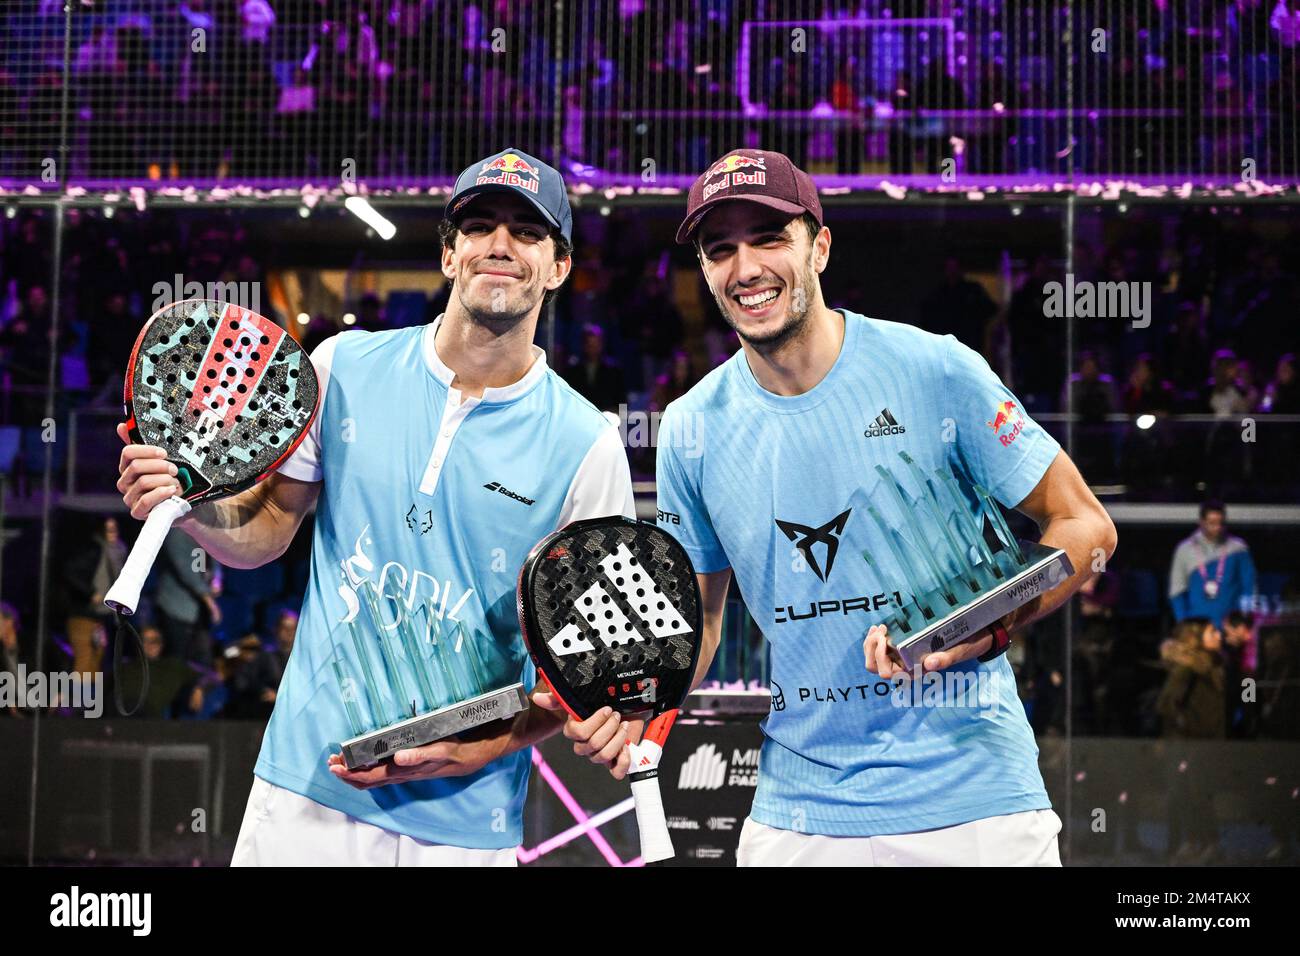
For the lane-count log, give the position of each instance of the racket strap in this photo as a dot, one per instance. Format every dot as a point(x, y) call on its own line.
point(119, 641)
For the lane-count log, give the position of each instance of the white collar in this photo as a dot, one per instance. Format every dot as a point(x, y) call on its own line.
point(506, 393)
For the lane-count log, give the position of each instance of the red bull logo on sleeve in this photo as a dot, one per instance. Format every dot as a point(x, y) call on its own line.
point(509, 170)
point(732, 169)
point(1007, 413)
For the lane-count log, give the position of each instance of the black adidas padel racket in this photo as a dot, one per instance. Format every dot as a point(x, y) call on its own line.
point(228, 394)
point(610, 613)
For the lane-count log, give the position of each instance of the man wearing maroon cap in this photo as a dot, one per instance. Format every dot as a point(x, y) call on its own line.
point(784, 490)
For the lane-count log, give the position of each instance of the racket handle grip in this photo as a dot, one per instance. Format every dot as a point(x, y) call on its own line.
point(124, 595)
point(656, 844)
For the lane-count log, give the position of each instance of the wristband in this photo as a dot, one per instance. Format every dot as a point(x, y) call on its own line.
point(1001, 641)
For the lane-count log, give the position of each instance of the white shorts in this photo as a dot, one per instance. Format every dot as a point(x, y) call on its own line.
point(283, 828)
point(1015, 839)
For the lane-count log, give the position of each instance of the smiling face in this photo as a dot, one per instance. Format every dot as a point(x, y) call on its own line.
point(762, 269)
point(502, 260)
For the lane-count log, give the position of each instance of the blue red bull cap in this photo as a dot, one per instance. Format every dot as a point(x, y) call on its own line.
point(514, 171)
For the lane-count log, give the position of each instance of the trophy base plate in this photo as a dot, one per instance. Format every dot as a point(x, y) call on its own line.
point(1044, 569)
point(368, 749)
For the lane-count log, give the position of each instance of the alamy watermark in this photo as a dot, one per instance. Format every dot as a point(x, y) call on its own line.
point(246, 295)
point(974, 689)
point(36, 689)
point(1098, 300)
point(641, 430)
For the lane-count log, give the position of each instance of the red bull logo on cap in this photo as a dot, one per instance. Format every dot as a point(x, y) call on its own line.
point(509, 170)
point(1007, 413)
point(732, 170)
point(729, 164)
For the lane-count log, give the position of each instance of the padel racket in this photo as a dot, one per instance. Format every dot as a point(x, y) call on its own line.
point(610, 613)
point(228, 394)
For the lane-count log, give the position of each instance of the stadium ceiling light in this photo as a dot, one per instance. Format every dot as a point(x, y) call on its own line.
point(304, 211)
point(349, 318)
point(1145, 421)
point(303, 318)
point(109, 210)
point(361, 208)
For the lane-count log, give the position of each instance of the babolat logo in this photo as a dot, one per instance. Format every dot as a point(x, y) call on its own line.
point(885, 424)
point(815, 609)
point(503, 490)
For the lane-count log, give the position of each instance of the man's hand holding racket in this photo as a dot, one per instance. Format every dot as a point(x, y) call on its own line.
point(602, 738)
point(145, 477)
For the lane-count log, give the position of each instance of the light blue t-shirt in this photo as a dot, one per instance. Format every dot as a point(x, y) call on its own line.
point(435, 502)
point(779, 489)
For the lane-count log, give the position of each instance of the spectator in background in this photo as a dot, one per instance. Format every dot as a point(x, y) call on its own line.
point(848, 129)
point(1225, 397)
point(651, 325)
point(25, 347)
point(1281, 396)
point(251, 681)
point(1212, 572)
point(594, 376)
point(1146, 393)
point(173, 684)
point(1094, 660)
point(112, 335)
point(1246, 385)
point(679, 379)
point(1191, 706)
point(250, 99)
point(1279, 699)
point(1188, 353)
point(1092, 389)
point(11, 657)
point(88, 575)
point(958, 305)
point(1033, 337)
point(286, 632)
point(185, 603)
point(1239, 660)
point(1090, 394)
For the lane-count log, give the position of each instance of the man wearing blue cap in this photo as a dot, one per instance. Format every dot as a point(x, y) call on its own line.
point(441, 454)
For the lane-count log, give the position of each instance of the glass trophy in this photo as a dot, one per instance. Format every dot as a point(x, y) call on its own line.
point(407, 677)
point(963, 567)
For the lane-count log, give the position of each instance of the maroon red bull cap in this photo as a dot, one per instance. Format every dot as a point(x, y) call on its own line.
point(754, 175)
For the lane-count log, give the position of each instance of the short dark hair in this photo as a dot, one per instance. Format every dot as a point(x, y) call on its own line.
point(1239, 619)
point(449, 230)
point(1213, 505)
point(812, 225)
